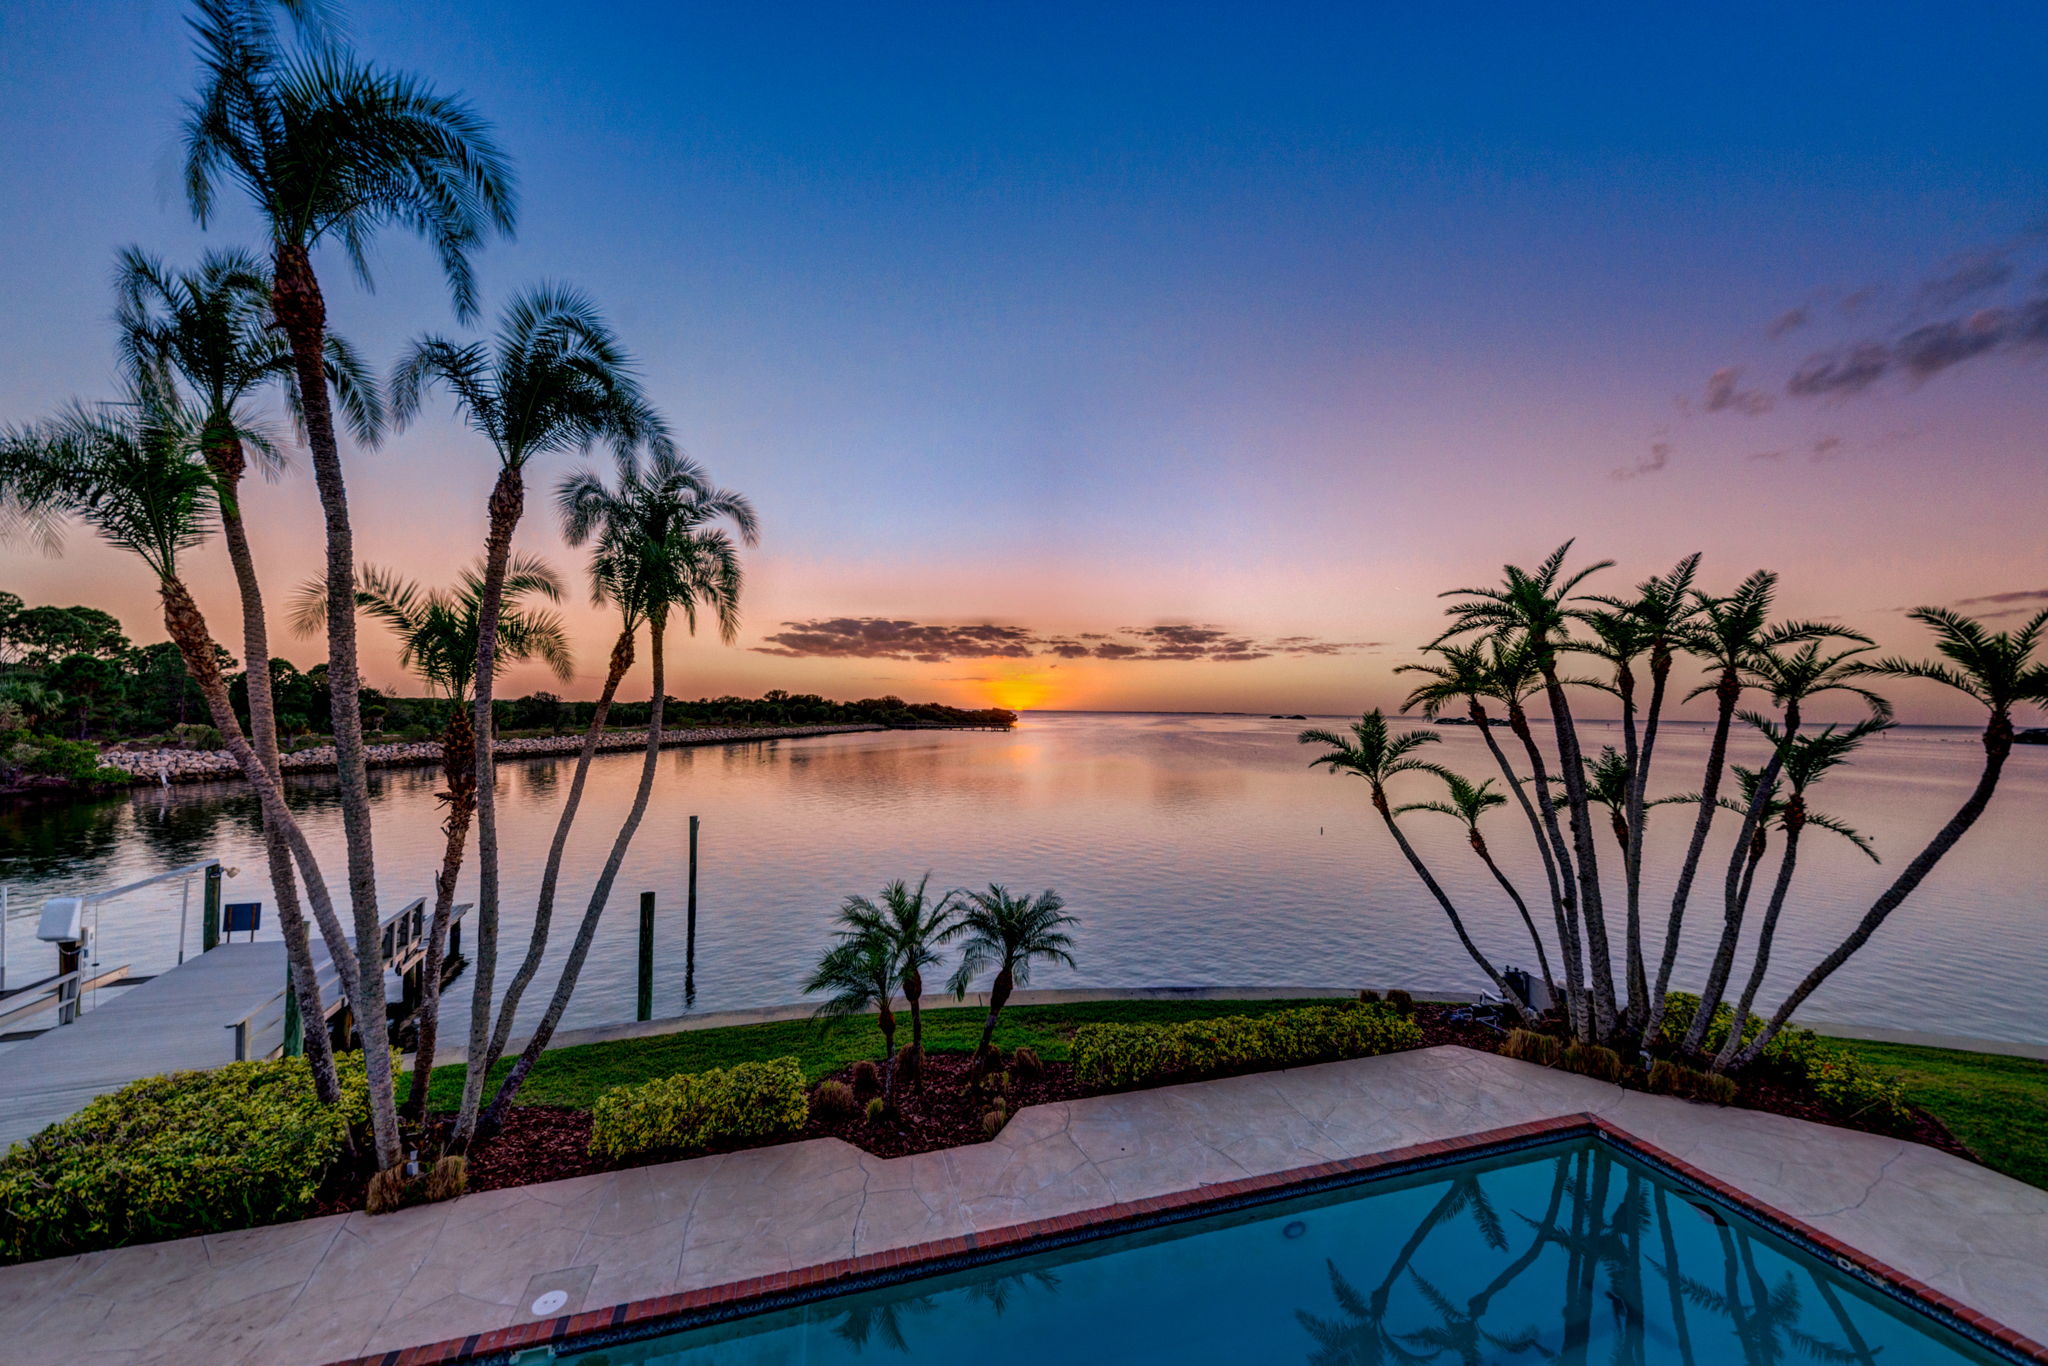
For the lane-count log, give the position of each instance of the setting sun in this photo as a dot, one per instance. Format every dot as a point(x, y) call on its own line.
point(1021, 693)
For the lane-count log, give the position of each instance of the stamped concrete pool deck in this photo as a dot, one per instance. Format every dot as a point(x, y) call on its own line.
point(348, 1285)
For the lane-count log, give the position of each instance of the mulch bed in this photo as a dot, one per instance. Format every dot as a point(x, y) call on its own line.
point(552, 1142)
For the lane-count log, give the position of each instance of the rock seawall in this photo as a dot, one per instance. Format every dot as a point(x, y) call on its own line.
point(211, 765)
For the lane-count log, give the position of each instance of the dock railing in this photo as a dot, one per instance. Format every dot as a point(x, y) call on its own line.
point(265, 1031)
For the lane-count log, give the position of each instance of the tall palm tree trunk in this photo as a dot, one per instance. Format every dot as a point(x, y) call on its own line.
point(458, 770)
point(1632, 858)
point(599, 895)
point(1478, 842)
point(998, 996)
point(1592, 907)
point(1565, 903)
point(227, 460)
point(913, 992)
point(544, 907)
point(508, 500)
point(1379, 803)
point(1735, 891)
point(1997, 749)
point(1795, 822)
point(302, 312)
point(1727, 692)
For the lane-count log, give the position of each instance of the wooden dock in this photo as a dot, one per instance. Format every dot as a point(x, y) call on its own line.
point(173, 1022)
point(218, 1007)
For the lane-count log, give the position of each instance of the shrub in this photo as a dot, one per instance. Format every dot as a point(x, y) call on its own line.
point(1401, 1001)
point(1529, 1046)
point(1853, 1090)
point(748, 1100)
point(198, 735)
point(177, 1155)
point(1715, 1088)
point(833, 1102)
point(1026, 1064)
point(992, 1123)
point(909, 1062)
point(1591, 1060)
point(1789, 1053)
point(1114, 1055)
point(879, 1111)
point(1368, 997)
point(867, 1080)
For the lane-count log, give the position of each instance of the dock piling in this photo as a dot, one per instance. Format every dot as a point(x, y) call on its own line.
point(644, 1006)
point(209, 916)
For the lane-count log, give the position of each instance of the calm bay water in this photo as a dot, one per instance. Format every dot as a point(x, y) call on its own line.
point(1195, 849)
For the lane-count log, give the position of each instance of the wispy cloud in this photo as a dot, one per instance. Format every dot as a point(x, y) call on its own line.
point(928, 643)
point(1658, 458)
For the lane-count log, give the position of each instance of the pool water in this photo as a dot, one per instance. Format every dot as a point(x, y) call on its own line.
point(1569, 1252)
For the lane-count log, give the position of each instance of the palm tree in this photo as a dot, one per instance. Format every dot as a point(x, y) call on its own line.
point(329, 149)
point(1808, 759)
point(1371, 753)
point(1535, 608)
point(131, 472)
point(860, 973)
point(1468, 802)
point(657, 552)
point(1997, 669)
point(1791, 678)
point(437, 633)
point(1008, 931)
point(915, 926)
point(1654, 623)
point(552, 378)
point(1727, 634)
point(1499, 671)
point(203, 337)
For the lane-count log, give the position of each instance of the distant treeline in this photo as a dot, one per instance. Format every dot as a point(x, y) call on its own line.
point(71, 681)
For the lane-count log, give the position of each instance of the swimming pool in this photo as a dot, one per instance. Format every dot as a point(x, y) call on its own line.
point(1569, 1250)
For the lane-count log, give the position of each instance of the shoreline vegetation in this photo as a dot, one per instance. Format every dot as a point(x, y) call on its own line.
point(198, 766)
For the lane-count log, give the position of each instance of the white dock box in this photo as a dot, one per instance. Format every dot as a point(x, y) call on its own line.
point(63, 920)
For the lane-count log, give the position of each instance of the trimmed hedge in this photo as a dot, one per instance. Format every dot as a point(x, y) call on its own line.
point(177, 1155)
point(749, 1100)
point(1116, 1055)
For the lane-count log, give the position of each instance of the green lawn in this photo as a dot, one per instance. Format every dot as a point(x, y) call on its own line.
point(1996, 1105)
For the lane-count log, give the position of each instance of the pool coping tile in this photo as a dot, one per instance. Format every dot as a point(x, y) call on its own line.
point(663, 1313)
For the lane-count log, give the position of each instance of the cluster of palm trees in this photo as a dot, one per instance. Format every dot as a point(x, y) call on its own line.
point(884, 945)
point(1511, 644)
point(329, 149)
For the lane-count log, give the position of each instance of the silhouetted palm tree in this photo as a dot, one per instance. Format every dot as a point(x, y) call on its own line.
point(133, 473)
point(1998, 670)
point(208, 333)
point(1808, 759)
point(437, 633)
point(658, 552)
point(1659, 618)
point(915, 926)
point(860, 973)
point(330, 149)
point(1009, 932)
point(1535, 608)
point(1726, 634)
point(1499, 671)
point(1791, 678)
point(1371, 753)
point(1468, 802)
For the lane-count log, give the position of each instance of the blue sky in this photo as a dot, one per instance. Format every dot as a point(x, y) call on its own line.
point(1271, 319)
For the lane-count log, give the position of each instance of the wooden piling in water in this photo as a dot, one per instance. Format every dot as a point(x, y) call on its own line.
point(644, 1006)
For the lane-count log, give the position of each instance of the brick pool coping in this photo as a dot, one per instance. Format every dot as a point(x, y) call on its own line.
point(664, 1313)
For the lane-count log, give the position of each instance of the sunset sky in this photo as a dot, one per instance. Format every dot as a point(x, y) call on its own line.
point(1167, 357)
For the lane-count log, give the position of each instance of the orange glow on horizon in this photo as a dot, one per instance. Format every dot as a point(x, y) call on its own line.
point(1020, 693)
